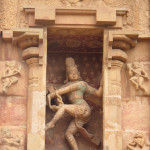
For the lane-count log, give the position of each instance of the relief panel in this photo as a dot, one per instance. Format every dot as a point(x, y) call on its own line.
point(13, 78)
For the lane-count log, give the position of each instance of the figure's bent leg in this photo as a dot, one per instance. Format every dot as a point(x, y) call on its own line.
point(141, 80)
point(60, 113)
point(57, 116)
point(134, 82)
point(72, 129)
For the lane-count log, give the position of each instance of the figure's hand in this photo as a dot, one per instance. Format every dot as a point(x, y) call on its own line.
point(50, 125)
point(51, 89)
point(147, 78)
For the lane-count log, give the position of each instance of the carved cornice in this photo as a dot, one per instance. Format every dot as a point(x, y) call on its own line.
point(103, 15)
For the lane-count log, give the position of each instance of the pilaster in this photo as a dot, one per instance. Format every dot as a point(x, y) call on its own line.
point(31, 43)
point(118, 43)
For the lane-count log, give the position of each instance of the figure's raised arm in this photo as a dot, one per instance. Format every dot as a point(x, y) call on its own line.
point(96, 92)
point(64, 90)
point(145, 74)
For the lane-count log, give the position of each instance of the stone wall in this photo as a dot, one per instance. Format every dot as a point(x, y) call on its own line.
point(131, 110)
point(13, 101)
point(136, 105)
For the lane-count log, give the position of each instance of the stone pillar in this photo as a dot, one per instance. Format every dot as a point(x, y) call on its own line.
point(115, 45)
point(36, 108)
point(112, 109)
point(30, 42)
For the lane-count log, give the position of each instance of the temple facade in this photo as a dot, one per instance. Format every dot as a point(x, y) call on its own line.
point(74, 75)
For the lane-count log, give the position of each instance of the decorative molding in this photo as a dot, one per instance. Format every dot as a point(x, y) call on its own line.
point(114, 78)
point(120, 55)
point(103, 15)
point(10, 75)
point(34, 71)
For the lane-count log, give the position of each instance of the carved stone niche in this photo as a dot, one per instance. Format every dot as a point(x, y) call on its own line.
point(30, 41)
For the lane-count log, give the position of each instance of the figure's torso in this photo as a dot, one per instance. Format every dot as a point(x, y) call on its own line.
point(76, 96)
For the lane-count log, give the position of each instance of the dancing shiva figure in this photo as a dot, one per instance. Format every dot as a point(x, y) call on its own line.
point(75, 89)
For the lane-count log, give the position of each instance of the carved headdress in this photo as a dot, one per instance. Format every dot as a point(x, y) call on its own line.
point(71, 66)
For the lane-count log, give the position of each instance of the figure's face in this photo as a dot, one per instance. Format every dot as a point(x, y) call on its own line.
point(136, 65)
point(73, 76)
point(12, 67)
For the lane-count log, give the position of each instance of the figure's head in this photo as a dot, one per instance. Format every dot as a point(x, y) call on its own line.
point(136, 65)
point(11, 64)
point(72, 72)
point(6, 133)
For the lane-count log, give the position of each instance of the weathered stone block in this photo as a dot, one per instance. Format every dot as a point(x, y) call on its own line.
point(13, 111)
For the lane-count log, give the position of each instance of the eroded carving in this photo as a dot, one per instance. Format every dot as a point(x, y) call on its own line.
point(8, 14)
point(8, 141)
point(75, 2)
point(137, 76)
point(79, 109)
point(138, 142)
point(10, 75)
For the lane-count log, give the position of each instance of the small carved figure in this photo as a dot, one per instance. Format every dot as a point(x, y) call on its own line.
point(9, 76)
point(79, 109)
point(138, 142)
point(9, 142)
point(137, 76)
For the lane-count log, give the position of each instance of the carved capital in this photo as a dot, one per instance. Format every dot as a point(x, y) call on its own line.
point(29, 40)
point(119, 42)
point(26, 38)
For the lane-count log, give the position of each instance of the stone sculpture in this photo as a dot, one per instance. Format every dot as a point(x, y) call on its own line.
point(10, 75)
point(138, 142)
point(8, 141)
point(79, 109)
point(137, 76)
